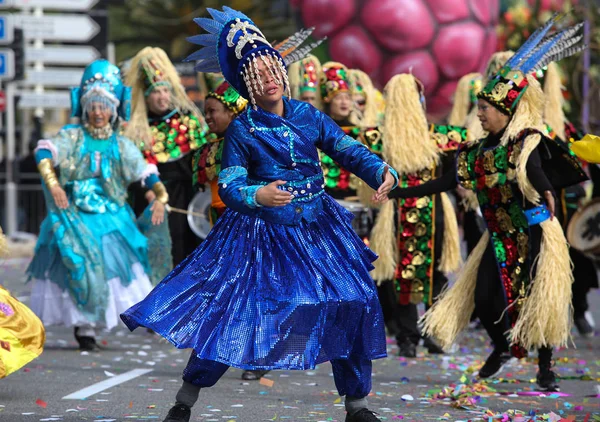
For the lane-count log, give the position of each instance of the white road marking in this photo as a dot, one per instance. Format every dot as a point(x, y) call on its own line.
point(106, 384)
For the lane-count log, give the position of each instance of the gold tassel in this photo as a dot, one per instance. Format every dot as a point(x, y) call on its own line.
point(496, 62)
point(545, 317)
point(451, 314)
point(451, 259)
point(383, 243)
point(529, 145)
point(3, 244)
point(462, 100)
point(553, 108)
point(408, 146)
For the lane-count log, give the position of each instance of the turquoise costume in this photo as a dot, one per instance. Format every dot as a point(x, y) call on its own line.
point(91, 260)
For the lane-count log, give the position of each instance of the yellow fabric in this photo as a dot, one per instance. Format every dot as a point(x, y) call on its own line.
point(22, 334)
point(588, 148)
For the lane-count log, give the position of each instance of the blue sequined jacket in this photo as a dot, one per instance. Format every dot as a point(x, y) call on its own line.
point(261, 147)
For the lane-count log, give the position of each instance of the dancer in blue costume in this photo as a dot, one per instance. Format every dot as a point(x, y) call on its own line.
point(91, 261)
point(282, 281)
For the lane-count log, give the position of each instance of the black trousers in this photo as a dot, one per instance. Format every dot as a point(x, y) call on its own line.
point(584, 273)
point(490, 300)
point(407, 316)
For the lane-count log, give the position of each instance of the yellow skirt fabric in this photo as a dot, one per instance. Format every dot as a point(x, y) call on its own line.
point(22, 334)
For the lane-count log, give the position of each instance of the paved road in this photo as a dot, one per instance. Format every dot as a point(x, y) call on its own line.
point(402, 389)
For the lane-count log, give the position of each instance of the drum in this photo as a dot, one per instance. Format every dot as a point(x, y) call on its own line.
point(200, 204)
point(583, 232)
point(363, 217)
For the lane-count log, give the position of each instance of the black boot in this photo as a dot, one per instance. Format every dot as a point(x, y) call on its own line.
point(546, 378)
point(583, 326)
point(407, 349)
point(432, 347)
point(494, 364)
point(86, 343)
point(363, 415)
point(179, 413)
point(254, 375)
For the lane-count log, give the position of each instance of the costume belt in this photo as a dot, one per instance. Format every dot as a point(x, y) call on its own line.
point(303, 190)
point(537, 215)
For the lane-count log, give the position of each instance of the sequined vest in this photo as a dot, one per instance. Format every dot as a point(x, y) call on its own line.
point(491, 173)
point(416, 226)
point(206, 165)
point(173, 136)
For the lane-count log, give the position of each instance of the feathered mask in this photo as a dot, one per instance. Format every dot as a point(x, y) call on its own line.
point(505, 89)
point(233, 46)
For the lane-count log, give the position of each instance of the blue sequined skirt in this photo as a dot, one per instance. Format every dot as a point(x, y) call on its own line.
point(259, 295)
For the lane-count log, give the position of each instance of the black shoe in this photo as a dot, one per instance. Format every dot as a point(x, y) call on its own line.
point(86, 343)
point(254, 375)
point(432, 347)
point(583, 327)
point(363, 415)
point(546, 379)
point(179, 413)
point(494, 364)
point(407, 349)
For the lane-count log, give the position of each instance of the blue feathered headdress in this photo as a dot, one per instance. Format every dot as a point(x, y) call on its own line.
point(234, 43)
point(505, 88)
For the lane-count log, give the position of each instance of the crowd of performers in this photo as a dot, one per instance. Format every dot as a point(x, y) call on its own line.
point(286, 279)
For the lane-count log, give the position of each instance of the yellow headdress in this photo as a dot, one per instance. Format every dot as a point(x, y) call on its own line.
point(150, 68)
point(360, 83)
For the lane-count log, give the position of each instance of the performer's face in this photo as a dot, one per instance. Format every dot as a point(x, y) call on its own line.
point(159, 100)
point(217, 116)
point(99, 115)
point(492, 120)
point(360, 102)
point(309, 97)
point(272, 91)
point(340, 106)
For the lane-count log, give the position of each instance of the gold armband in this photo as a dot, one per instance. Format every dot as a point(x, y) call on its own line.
point(161, 192)
point(48, 174)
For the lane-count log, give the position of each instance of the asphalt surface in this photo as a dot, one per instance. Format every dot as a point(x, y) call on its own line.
point(403, 389)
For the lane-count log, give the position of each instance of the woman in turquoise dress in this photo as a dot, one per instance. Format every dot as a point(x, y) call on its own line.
point(91, 260)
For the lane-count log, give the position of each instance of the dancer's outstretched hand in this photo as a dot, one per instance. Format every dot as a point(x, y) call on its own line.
point(271, 196)
point(386, 187)
point(158, 213)
point(60, 197)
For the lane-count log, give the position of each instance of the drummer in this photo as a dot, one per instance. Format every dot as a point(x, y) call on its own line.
point(220, 108)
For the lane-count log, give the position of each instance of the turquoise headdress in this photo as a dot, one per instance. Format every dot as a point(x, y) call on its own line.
point(233, 46)
point(102, 81)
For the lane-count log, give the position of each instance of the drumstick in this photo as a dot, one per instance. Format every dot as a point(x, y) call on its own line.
point(179, 210)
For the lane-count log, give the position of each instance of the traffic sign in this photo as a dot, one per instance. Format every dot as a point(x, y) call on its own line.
point(74, 5)
point(2, 101)
point(59, 77)
point(6, 29)
point(63, 54)
point(7, 64)
point(58, 27)
point(48, 99)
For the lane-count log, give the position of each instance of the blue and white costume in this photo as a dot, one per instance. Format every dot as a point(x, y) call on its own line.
point(91, 260)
